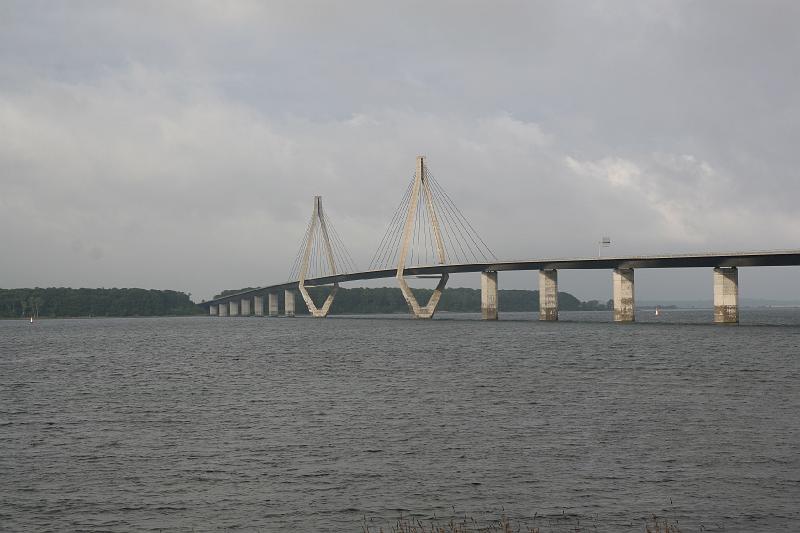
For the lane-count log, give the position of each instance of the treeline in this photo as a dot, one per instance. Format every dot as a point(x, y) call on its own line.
point(63, 302)
point(226, 292)
point(390, 300)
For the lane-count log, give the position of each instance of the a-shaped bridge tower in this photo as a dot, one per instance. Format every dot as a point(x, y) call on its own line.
point(321, 253)
point(432, 232)
point(421, 190)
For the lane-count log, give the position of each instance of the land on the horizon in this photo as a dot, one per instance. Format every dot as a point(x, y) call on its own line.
point(61, 302)
point(709, 303)
point(67, 302)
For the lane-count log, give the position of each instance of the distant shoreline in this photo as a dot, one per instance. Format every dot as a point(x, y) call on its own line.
point(84, 303)
point(395, 313)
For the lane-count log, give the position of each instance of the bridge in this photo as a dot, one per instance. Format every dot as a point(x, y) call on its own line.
point(429, 237)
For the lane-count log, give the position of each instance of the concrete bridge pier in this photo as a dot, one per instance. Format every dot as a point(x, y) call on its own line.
point(288, 303)
point(624, 308)
point(548, 295)
point(726, 295)
point(223, 309)
point(234, 308)
point(213, 310)
point(258, 305)
point(273, 304)
point(245, 306)
point(489, 295)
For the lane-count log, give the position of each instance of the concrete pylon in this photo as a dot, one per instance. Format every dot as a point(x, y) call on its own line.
point(548, 295)
point(317, 218)
point(213, 310)
point(258, 304)
point(223, 309)
point(273, 304)
point(489, 295)
point(288, 303)
point(234, 308)
point(624, 307)
point(726, 295)
point(245, 306)
point(421, 187)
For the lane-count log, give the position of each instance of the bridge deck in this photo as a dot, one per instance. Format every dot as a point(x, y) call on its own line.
point(710, 260)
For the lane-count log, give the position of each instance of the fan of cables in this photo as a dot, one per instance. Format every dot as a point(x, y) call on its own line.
point(435, 220)
point(321, 252)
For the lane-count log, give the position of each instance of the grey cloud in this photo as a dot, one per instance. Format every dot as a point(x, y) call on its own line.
point(183, 145)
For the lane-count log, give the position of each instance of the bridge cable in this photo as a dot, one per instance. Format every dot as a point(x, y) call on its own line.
point(459, 233)
point(446, 231)
point(353, 267)
point(295, 270)
point(462, 224)
point(388, 236)
point(453, 225)
point(345, 260)
point(460, 241)
point(377, 258)
point(397, 236)
point(340, 261)
point(473, 233)
point(426, 227)
point(455, 229)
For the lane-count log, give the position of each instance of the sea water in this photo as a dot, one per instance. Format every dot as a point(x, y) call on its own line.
point(206, 423)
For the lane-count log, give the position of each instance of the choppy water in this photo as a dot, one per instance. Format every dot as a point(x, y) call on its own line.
point(300, 425)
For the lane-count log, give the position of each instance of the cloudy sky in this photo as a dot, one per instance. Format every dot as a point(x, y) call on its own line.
point(179, 144)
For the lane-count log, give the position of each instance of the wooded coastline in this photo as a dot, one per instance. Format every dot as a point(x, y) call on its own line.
point(61, 302)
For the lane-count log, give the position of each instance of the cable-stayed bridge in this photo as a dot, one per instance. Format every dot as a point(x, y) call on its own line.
point(429, 237)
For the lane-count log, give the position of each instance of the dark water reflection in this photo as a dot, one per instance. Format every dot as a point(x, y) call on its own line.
point(213, 423)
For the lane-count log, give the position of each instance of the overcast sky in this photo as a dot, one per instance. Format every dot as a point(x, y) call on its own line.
point(179, 144)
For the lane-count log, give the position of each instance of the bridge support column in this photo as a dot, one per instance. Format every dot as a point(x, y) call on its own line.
point(726, 295)
point(624, 308)
point(223, 309)
point(548, 295)
point(213, 310)
point(234, 308)
point(245, 306)
point(273, 304)
point(288, 303)
point(489, 295)
point(258, 304)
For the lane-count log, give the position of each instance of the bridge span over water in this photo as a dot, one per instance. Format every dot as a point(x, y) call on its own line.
point(428, 224)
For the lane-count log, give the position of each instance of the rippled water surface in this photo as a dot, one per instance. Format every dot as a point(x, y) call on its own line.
point(309, 425)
